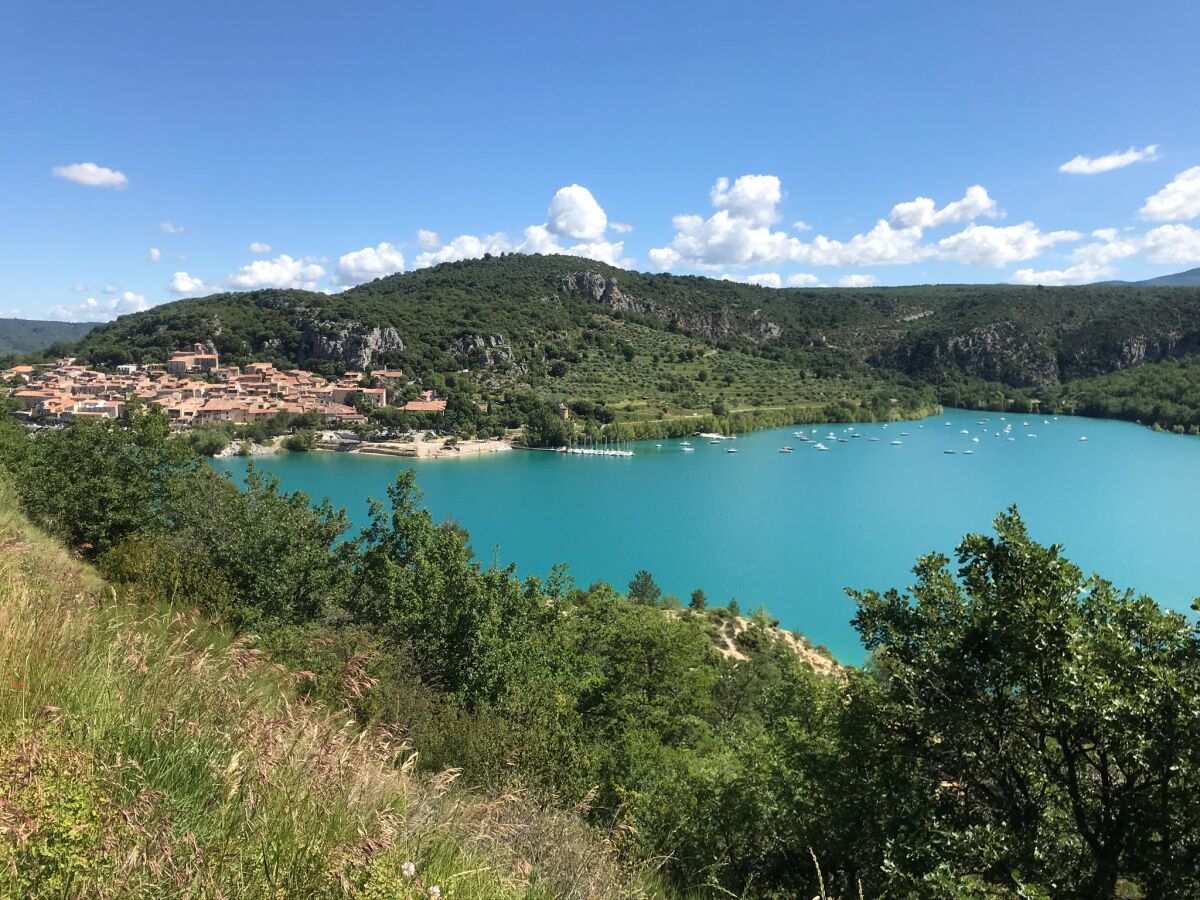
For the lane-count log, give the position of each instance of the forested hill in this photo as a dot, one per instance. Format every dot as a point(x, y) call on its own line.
point(566, 326)
point(30, 335)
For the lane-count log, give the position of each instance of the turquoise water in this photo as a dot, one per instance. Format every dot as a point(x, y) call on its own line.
point(791, 531)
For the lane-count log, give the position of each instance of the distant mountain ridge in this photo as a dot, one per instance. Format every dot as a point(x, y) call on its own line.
point(33, 335)
point(1190, 278)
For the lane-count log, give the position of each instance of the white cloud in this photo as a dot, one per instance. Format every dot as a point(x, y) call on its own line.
point(259, 247)
point(154, 254)
point(91, 175)
point(465, 246)
point(184, 284)
point(1178, 244)
point(739, 233)
point(79, 287)
point(751, 197)
point(1081, 274)
point(369, 263)
point(111, 288)
point(882, 245)
point(665, 257)
point(763, 279)
point(1178, 200)
point(280, 272)
point(922, 212)
point(93, 310)
point(803, 279)
point(575, 214)
point(857, 281)
point(1086, 165)
point(990, 245)
point(801, 225)
point(724, 240)
point(1166, 244)
point(620, 227)
point(170, 228)
point(601, 251)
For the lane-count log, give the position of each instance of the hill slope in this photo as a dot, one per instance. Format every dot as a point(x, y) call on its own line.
point(667, 345)
point(31, 335)
point(147, 754)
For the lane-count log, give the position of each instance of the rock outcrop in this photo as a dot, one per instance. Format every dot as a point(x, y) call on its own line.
point(479, 350)
point(994, 352)
point(352, 343)
point(717, 325)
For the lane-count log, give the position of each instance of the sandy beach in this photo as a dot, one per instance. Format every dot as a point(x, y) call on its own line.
point(432, 449)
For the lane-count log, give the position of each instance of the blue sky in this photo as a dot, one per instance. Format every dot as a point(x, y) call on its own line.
point(914, 143)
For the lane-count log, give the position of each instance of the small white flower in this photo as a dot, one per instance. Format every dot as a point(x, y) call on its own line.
point(435, 893)
point(409, 869)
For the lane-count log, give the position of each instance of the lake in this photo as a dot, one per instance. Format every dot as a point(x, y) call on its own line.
point(792, 530)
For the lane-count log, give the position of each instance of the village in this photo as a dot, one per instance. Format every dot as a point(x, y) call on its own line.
point(193, 388)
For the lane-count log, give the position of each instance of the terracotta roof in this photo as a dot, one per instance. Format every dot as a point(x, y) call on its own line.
point(425, 406)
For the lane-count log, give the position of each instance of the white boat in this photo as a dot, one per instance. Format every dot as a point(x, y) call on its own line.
point(819, 446)
point(968, 452)
point(949, 452)
point(731, 449)
point(688, 448)
point(974, 440)
point(904, 434)
point(873, 439)
point(964, 431)
point(785, 449)
point(685, 443)
point(897, 443)
point(658, 445)
point(714, 442)
point(1031, 435)
point(1083, 437)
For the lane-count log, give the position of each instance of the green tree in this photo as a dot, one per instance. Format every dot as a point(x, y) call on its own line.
point(699, 600)
point(643, 588)
point(1051, 720)
point(99, 481)
point(300, 440)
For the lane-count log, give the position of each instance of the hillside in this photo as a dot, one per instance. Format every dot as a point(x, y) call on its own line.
point(521, 313)
point(663, 346)
point(147, 753)
point(20, 336)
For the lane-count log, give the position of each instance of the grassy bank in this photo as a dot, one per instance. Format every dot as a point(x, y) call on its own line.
point(144, 753)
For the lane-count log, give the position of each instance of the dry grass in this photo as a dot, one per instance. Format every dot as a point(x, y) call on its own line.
point(146, 754)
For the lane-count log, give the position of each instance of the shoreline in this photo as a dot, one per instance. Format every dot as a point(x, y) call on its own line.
point(423, 449)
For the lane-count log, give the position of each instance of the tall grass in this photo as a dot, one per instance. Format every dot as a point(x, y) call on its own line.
point(144, 753)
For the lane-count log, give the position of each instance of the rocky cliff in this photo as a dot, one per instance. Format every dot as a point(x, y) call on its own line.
point(720, 324)
point(351, 343)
